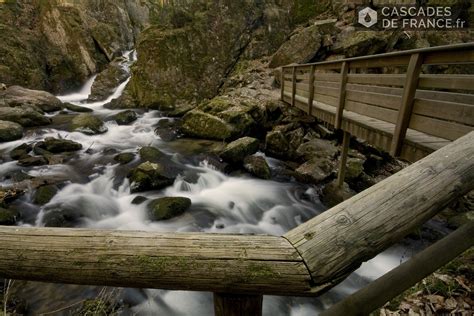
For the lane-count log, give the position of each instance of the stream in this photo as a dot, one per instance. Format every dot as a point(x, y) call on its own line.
point(221, 203)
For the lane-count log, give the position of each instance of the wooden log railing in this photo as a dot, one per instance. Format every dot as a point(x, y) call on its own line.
point(307, 260)
point(390, 100)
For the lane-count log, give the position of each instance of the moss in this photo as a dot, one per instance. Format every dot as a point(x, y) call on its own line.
point(303, 10)
point(44, 194)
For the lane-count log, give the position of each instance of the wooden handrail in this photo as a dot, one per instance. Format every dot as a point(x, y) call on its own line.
point(306, 261)
point(436, 49)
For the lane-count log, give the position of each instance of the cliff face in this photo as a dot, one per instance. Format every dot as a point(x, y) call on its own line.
point(191, 46)
point(56, 45)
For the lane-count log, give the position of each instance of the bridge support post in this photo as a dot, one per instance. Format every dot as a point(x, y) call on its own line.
point(293, 90)
point(393, 283)
point(311, 90)
point(342, 95)
point(342, 162)
point(226, 304)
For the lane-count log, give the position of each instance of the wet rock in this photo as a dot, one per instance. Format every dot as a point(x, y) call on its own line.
point(139, 200)
point(300, 48)
point(17, 176)
point(88, 124)
point(333, 195)
point(107, 80)
point(124, 118)
point(315, 170)
point(167, 207)
point(295, 138)
point(76, 108)
point(56, 145)
point(21, 151)
point(149, 153)
point(317, 148)
point(8, 217)
point(33, 161)
point(24, 116)
point(124, 158)
point(354, 168)
point(236, 151)
point(150, 176)
point(257, 166)
point(276, 144)
point(15, 96)
point(167, 129)
point(44, 194)
point(10, 131)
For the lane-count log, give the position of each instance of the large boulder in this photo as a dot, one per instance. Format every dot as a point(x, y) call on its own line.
point(276, 144)
point(236, 151)
point(304, 45)
point(317, 148)
point(151, 154)
point(107, 80)
point(88, 124)
point(24, 116)
point(223, 118)
point(167, 207)
point(352, 43)
point(150, 176)
point(10, 131)
point(76, 108)
point(15, 96)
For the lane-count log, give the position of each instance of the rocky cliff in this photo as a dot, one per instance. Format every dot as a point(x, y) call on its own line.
point(56, 45)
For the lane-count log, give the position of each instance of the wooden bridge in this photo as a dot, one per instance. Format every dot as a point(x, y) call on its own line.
point(316, 255)
point(398, 102)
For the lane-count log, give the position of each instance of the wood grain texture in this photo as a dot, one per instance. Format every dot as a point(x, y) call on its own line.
point(177, 261)
point(340, 239)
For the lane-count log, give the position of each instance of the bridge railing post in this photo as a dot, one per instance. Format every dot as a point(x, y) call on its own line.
point(282, 84)
point(406, 107)
point(311, 89)
point(342, 96)
point(293, 91)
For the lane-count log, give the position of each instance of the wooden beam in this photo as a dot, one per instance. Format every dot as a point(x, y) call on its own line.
point(404, 115)
point(293, 90)
point(237, 304)
point(337, 241)
point(343, 161)
point(240, 264)
point(311, 91)
point(342, 95)
point(388, 286)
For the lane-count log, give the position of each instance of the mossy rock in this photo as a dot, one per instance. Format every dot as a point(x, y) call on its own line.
point(10, 131)
point(57, 145)
point(25, 116)
point(44, 194)
point(333, 194)
point(8, 217)
point(139, 200)
point(315, 170)
point(33, 161)
point(76, 108)
point(150, 153)
point(124, 158)
point(107, 81)
point(203, 125)
point(236, 151)
point(257, 166)
point(20, 96)
point(125, 117)
point(20, 151)
point(167, 207)
point(88, 124)
point(149, 176)
point(354, 168)
point(276, 144)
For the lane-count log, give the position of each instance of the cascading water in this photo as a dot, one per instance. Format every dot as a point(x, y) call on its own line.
point(98, 189)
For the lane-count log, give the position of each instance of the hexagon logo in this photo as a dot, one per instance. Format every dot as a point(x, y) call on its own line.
point(367, 17)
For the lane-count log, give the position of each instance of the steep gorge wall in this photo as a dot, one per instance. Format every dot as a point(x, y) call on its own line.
point(56, 45)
